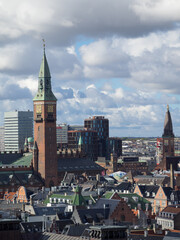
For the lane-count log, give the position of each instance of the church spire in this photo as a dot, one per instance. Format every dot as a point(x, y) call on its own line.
point(168, 127)
point(44, 83)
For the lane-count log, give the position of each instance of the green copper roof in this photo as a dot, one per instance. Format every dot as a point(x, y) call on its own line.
point(25, 160)
point(80, 141)
point(44, 83)
point(44, 69)
point(131, 201)
point(30, 139)
point(78, 199)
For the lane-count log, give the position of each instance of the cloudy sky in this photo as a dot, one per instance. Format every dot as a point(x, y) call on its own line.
point(117, 58)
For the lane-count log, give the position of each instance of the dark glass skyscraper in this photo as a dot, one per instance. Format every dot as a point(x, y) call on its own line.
point(101, 125)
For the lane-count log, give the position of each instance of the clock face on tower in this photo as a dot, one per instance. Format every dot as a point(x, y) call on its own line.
point(50, 108)
point(38, 109)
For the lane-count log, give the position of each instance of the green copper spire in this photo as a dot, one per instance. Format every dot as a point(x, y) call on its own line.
point(78, 199)
point(80, 141)
point(44, 83)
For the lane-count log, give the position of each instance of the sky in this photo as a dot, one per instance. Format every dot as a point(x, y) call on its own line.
point(115, 58)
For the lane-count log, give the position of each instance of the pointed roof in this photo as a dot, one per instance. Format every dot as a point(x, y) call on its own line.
point(168, 128)
point(44, 69)
point(80, 141)
point(78, 199)
point(44, 83)
point(35, 145)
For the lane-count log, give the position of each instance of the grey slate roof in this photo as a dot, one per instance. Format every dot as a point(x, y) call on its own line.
point(145, 189)
point(95, 214)
point(77, 164)
point(167, 191)
point(158, 180)
point(172, 236)
point(40, 211)
point(74, 230)
point(111, 203)
point(18, 177)
point(31, 226)
point(46, 235)
point(124, 186)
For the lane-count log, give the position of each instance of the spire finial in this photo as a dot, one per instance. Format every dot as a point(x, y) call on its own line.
point(167, 107)
point(44, 46)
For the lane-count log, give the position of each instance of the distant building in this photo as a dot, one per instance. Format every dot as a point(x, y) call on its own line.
point(75, 127)
point(2, 139)
point(101, 125)
point(169, 217)
point(18, 125)
point(62, 135)
point(85, 141)
point(169, 160)
point(114, 145)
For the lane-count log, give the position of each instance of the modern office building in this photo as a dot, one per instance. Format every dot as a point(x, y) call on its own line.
point(62, 135)
point(2, 139)
point(114, 145)
point(18, 125)
point(85, 141)
point(101, 125)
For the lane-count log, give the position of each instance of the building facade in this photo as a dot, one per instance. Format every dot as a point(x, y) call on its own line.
point(2, 148)
point(101, 125)
point(62, 135)
point(85, 141)
point(114, 145)
point(18, 125)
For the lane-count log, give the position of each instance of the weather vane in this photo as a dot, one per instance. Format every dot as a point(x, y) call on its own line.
point(44, 44)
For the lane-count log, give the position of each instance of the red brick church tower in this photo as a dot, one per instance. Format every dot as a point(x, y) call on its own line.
point(168, 143)
point(168, 136)
point(45, 147)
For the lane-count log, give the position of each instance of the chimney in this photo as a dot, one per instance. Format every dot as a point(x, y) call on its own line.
point(98, 177)
point(31, 201)
point(145, 233)
point(171, 176)
point(23, 207)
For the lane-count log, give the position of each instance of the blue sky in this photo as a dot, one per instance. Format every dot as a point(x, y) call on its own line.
point(120, 59)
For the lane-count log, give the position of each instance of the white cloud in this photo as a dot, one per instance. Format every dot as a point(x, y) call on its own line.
point(115, 58)
point(157, 10)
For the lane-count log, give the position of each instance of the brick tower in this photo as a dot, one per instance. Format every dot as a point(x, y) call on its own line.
point(45, 153)
point(168, 139)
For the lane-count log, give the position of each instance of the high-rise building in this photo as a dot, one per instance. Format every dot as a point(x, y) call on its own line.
point(2, 139)
point(101, 125)
point(18, 125)
point(45, 144)
point(114, 145)
point(62, 135)
point(86, 140)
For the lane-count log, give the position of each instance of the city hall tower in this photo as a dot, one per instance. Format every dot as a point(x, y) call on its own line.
point(45, 147)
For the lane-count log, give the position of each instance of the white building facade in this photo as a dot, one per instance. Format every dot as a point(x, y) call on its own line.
point(18, 125)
